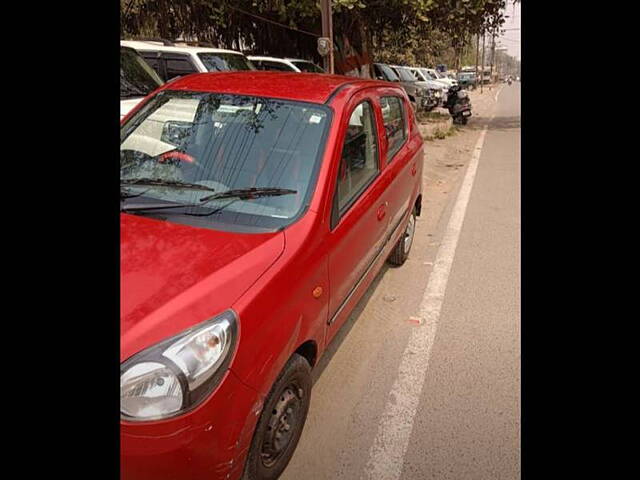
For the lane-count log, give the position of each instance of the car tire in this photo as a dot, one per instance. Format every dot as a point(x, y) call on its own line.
point(281, 422)
point(400, 252)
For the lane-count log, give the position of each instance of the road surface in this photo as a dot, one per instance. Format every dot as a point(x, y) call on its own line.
point(423, 382)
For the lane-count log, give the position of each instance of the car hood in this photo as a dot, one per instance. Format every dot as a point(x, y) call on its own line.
point(430, 84)
point(173, 276)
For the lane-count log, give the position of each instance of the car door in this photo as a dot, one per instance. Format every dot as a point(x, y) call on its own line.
point(359, 219)
point(401, 156)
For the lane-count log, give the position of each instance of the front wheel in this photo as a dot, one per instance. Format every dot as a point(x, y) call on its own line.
point(281, 422)
point(400, 252)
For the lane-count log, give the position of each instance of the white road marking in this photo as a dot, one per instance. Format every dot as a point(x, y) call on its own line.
point(498, 93)
point(386, 456)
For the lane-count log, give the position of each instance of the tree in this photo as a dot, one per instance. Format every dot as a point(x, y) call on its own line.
point(399, 31)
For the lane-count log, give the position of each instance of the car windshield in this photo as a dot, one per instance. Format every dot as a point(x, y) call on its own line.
point(137, 78)
point(224, 61)
point(182, 146)
point(405, 75)
point(307, 66)
point(427, 75)
point(387, 72)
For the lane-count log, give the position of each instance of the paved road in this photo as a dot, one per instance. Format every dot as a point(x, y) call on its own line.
point(467, 413)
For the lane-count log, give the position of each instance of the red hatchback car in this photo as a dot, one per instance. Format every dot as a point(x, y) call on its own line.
point(256, 209)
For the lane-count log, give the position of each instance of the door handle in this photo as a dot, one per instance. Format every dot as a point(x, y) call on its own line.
point(382, 210)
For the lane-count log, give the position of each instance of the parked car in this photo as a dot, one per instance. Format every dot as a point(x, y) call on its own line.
point(256, 210)
point(137, 79)
point(284, 64)
point(467, 79)
point(418, 94)
point(434, 94)
point(438, 77)
point(170, 60)
point(438, 86)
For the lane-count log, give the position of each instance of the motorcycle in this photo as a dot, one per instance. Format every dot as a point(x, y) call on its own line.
point(509, 81)
point(459, 105)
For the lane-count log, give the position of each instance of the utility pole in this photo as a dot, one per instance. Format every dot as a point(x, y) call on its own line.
point(327, 31)
point(477, 57)
point(482, 74)
point(493, 53)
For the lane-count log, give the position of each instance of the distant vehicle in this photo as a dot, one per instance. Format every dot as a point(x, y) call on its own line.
point(284, 64)
point(137, 79)
point(171, 60)
point(466, 79)
point(418, 94)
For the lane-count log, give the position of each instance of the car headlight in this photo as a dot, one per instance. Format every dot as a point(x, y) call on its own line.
point(176, 374)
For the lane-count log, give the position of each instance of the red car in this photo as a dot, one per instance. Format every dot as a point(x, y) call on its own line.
point(256, 209)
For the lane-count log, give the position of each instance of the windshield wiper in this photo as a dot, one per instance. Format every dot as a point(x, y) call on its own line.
point(238, 194)
point(249, 193)
point(154, 182)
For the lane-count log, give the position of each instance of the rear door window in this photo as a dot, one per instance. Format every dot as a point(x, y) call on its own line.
point(393, 117)
point(178, 65)
point(154, 61)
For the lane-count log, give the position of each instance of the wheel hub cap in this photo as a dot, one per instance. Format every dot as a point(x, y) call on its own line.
point(282, 424)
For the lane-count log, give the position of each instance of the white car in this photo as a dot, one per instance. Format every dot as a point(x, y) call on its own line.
point(137, 79)
point(284, 64)
point(171, 60)
point(438, 77)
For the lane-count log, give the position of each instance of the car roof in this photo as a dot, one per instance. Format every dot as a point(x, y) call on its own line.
point(303, 87)
point(273, 59)
point(278, 59)
point(156, 46)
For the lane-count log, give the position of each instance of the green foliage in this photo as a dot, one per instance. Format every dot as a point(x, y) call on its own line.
point(399, 31)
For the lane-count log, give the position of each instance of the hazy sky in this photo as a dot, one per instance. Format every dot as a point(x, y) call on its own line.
point(511, 39)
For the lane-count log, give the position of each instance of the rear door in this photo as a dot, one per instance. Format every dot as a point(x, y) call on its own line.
point(401, 155)
point(358, 218)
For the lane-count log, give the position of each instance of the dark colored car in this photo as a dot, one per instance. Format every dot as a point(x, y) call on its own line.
point(256, 210)
point(417, 94)
point(466, 79)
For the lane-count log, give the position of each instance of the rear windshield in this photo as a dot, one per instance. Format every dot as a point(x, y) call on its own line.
point(137, 78)
point(222, 143)
point(223, 61)
point(307, 67)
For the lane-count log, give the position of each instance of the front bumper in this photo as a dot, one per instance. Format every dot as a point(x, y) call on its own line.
point(208, 443)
